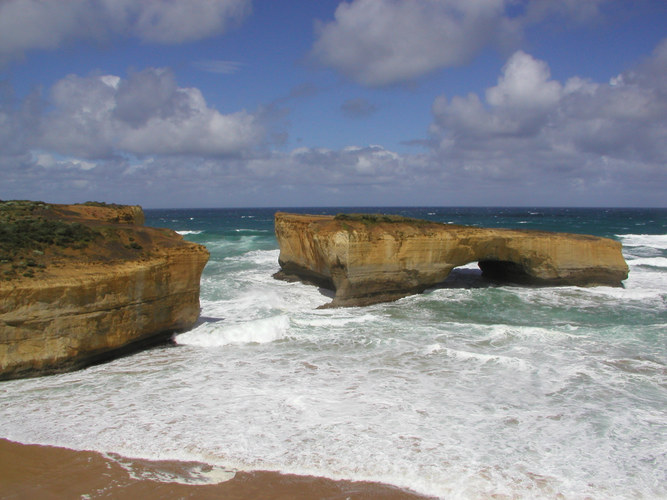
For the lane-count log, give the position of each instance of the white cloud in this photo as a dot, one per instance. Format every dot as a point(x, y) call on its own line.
point(313, 176)
point(176, 21)
point(146, 114)
point(524, 85)
point(384, 42)
point(529, 139)
point(531, 129)
point(380, 42)
point(517, 106)
point(326, 167)
point(38, 24)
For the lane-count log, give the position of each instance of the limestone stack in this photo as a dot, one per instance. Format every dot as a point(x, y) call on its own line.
point(369, 258)
point(123, 287)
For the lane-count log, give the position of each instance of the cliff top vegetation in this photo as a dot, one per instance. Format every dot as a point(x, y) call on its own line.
point(35, 235)
point(370, 219)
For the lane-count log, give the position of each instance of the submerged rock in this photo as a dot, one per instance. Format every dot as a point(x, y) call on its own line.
point(84, 283)
point(368, 259)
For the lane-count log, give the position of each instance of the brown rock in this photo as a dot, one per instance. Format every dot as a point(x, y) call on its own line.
point(131, 286)
point(370, 259)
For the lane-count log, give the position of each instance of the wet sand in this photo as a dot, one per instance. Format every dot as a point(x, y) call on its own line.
point(45, 472)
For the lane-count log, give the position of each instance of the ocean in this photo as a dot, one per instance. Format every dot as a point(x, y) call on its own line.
point(466, 391)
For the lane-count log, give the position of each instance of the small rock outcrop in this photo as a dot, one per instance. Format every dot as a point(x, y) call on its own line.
point(84, 283)
point(368, 259)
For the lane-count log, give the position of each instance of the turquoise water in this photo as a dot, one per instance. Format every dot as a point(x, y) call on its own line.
point(465, 391)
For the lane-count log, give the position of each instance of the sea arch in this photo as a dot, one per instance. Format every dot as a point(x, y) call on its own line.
point(369, 258)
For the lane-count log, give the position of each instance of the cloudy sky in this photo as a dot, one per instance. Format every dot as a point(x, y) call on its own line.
point(226, 103)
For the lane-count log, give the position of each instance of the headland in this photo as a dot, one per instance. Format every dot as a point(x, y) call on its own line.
point(83, 283)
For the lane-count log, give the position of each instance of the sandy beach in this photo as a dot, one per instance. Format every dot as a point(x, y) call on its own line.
point(46, 472)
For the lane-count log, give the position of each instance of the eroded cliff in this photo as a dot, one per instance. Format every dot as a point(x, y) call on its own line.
point(368, 259)
point(84, 283)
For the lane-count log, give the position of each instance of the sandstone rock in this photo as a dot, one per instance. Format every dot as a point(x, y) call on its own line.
point(128, 287)
point(370, 259)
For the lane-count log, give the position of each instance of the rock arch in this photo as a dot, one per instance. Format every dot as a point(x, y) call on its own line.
point(369, 258)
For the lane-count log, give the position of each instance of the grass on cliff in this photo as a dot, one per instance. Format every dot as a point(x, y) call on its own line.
point(102, 204)
point(26, 232)
point(371, 219)
point(35, 234)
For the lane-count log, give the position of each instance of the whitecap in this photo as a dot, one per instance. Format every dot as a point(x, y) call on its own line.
point(505, 334)
point(223, 245)
point(652, 293)
point(261, 257)
point(218, 334)
point(508, 361)
point(657, 262)
point(644, 240)
point(432, 348)
point(336, 320)
point(185, 232)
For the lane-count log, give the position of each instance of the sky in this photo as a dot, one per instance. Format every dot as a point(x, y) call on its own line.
point(267, 103)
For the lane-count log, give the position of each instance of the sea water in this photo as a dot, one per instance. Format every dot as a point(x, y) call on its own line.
point(466, 391)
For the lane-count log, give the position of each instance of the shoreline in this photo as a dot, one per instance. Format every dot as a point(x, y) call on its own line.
point(49, 472)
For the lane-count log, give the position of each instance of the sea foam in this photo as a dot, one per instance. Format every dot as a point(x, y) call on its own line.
point(462, 392)
point(647, 240)
point(218, 334)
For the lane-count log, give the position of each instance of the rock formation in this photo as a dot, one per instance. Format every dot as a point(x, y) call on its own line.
point(369, 258)
point(84, 283)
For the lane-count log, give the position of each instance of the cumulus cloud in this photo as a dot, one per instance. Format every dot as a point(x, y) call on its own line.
point(175, 21)
point(517, 106)
point(37, 24)
point(380, 42)
point(148, 113)
point(313, 176)
point(530, 128)
point(328, 167)
point(371, 164)
point(384, 42)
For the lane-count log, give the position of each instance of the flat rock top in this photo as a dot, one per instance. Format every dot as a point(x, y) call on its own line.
point(377, 224)
point(39, 240)
point(369, 258)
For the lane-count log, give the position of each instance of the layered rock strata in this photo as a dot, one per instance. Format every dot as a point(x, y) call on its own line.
point(368, 259)
point(119, 288)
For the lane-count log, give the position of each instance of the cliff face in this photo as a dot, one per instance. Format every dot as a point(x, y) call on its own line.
point(121, 287)
point(374, 259)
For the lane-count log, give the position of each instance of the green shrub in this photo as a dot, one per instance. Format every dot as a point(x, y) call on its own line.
point(101, 204)
point(36, 234)
point(369, 219)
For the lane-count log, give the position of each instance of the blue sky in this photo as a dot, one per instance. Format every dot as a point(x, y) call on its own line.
point(225, 103)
